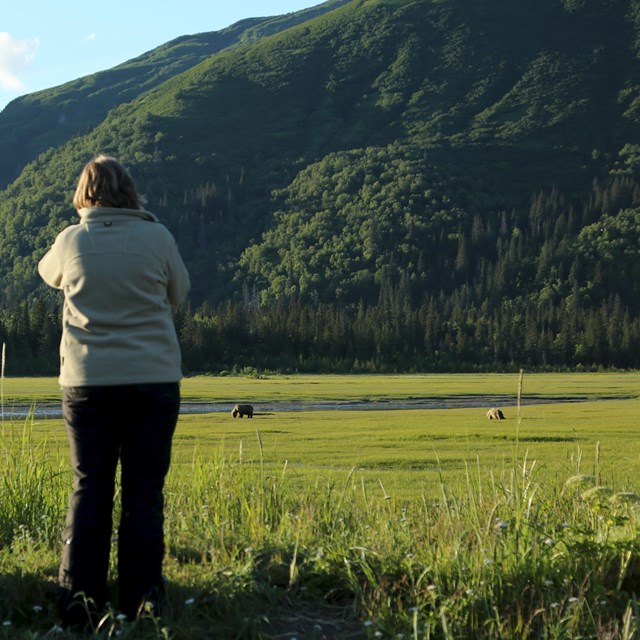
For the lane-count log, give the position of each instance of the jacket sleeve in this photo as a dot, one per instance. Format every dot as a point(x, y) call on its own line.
point(50, 268)
point(179, 282)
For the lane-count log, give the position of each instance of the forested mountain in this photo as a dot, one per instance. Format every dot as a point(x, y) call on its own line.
point(383, 185)
point(43, 119)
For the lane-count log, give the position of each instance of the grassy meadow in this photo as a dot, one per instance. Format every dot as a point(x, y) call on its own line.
point(362, 523)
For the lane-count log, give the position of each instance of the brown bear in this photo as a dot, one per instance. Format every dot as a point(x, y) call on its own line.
point(242, 410)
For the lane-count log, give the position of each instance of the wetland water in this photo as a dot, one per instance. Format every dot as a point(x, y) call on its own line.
point(53, 410)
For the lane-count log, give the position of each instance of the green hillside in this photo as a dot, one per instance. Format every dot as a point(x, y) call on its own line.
point(36, 122)
point(474, 164)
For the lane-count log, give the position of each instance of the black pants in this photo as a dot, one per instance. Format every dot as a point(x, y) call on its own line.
point(133, 424)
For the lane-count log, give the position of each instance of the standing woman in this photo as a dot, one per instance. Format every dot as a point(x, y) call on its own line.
point(120, 371)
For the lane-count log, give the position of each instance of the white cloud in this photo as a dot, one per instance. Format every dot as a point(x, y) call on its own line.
point(91, 36)
point(15, 56)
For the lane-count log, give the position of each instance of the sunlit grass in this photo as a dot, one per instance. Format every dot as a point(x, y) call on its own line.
point(411, 451)
point(363, 524)
point(295, 388)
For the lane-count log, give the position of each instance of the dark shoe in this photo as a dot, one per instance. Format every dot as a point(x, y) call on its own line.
point(149, 606)
point(78, 612)
point(153, 602)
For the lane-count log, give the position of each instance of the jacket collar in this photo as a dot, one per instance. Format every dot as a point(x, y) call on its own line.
point(89, 214)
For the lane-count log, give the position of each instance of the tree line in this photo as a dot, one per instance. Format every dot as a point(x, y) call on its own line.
point(555, 285)
point(444, 334)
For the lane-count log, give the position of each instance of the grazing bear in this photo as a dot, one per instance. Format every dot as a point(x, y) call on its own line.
point(495, 414)
point(242, 410)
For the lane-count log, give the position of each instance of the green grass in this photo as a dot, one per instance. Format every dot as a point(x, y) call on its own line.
point(361, 387)
point(363, 524)
point(410, 451)
point(284, 388)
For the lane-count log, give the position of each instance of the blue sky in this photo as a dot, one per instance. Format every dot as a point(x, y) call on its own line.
point(44, 43)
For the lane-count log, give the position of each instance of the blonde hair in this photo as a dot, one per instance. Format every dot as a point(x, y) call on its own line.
point(104, 182)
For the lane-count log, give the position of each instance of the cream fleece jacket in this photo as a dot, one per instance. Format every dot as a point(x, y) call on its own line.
point(121, 274)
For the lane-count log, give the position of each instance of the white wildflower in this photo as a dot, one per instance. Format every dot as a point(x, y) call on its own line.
point(37, 608)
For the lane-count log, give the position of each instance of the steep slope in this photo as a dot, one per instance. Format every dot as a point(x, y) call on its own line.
point(362, 150)
point(44, 119)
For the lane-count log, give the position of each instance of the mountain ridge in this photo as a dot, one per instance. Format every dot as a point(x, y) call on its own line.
point(30, 124)
point(384, 152)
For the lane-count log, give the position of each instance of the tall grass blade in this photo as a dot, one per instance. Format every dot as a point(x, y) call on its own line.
point(4, 347)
